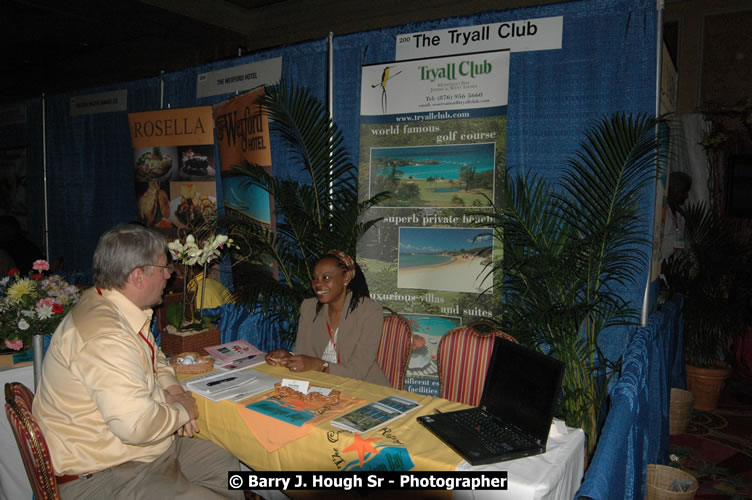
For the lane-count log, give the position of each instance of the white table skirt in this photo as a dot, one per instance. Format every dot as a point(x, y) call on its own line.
point(554, 475)
point(14, 485)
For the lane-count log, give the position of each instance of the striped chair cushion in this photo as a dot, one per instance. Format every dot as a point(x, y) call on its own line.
point(395, 348)
point(31, 443)
point(463, 358)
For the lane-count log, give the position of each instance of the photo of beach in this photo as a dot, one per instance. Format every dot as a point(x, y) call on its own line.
point(449, 259)
point(457, 175)
point(422, 371)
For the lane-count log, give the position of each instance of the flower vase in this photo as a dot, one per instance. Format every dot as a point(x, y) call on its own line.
point(37, 346)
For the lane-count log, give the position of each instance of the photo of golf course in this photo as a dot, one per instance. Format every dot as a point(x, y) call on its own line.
point(459, 175)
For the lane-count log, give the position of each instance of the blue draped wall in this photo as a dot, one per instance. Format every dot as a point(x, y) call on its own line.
point(607, 64)
point(635, 433)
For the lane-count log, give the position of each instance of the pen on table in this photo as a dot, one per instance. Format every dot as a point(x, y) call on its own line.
point(215, 382)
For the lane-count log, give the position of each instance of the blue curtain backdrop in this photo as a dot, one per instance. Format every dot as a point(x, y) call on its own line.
point(90, 185)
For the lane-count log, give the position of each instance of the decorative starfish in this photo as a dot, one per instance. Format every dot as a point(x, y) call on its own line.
point(299, 404)
point(361, 446)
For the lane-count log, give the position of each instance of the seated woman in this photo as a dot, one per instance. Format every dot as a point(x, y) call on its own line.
point(340, 329)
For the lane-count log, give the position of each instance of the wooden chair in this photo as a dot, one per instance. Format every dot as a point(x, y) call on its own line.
point(395, 348)
point(463, 357)
point(31, 442)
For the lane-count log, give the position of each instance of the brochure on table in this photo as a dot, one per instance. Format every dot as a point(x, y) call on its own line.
point(375, 414)
point(234, 386)
point(228, 352)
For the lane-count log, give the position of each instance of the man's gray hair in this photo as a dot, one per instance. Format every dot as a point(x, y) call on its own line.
point(122, 249)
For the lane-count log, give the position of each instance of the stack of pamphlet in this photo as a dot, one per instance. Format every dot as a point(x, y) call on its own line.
point(234, 386)
point(375, 414)
point(235, 355)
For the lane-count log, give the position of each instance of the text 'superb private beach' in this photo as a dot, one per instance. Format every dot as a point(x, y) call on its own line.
point(449, 259)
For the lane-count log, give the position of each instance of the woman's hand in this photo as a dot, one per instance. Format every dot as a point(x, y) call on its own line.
point(278, 356)
point(302, 363)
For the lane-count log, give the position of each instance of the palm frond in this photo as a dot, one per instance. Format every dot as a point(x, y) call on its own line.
point(313, 215)
point(569, 250)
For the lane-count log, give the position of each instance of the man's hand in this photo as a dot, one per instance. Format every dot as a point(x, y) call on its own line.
point(172, 395)
point(187, 401)
point(189, 429)
point(176, 394)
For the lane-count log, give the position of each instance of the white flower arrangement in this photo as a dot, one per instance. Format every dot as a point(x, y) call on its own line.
point(190, 253)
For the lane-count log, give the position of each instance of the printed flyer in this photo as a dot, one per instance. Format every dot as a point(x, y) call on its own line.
point(433, 133)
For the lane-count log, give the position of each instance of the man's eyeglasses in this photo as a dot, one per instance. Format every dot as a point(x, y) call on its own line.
point(170, 267)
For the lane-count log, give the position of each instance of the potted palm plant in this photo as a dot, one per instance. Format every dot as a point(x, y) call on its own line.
point(316, 212)
point(568, 251)
point(713, 275)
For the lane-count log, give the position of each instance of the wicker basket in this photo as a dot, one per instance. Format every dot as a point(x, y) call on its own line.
point(660, 478)
point(202, 365)
point(174, 342)
point(681, 410)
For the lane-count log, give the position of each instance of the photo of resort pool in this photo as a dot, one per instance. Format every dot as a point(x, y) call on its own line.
point(422, 371)
point(448, 259)
point(458, 175)
point(249, 199)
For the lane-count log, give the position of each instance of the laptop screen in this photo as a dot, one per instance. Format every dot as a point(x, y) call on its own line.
point(522, 386)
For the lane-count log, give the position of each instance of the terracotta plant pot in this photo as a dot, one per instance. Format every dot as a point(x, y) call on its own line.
point(706, 384)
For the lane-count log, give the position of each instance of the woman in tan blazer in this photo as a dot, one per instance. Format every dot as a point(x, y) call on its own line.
point(340, 329)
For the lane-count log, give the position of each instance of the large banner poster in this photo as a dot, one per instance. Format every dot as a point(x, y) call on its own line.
point(433, 133)
point(243, 135)
point(174, 167)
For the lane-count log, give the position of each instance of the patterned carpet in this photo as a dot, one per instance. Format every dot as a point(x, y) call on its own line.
point(717, 446)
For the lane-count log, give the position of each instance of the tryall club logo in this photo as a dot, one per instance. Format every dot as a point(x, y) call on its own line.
point(386, 75)
point(383, 452)
point(450, 71)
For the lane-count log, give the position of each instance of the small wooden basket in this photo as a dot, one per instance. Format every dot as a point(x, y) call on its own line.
point(202, 365)
point(659, 480)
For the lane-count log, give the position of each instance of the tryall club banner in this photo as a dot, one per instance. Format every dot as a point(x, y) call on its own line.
point(174, 167)
point(243, 135)
point(433, 133)
point(522, 35)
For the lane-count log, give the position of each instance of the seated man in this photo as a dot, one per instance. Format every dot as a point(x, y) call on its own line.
point(108, 403)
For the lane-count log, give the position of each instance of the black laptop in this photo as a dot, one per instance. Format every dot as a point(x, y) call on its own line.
point(515, 412)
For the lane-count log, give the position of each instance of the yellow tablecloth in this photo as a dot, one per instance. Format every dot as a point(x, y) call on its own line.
point(402, 444)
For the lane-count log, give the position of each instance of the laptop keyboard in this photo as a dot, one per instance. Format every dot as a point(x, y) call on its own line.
point(497, 437)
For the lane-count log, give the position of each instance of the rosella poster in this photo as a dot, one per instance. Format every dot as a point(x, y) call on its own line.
point(174, 167)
